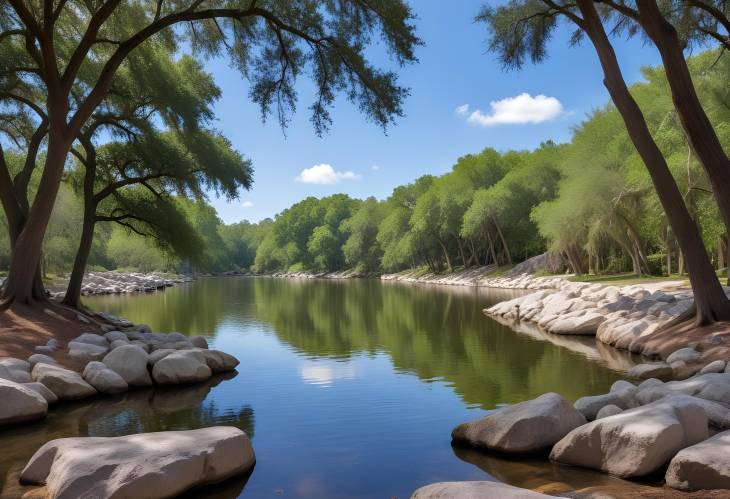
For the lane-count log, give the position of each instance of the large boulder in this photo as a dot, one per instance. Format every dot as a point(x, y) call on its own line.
point(66, 384)
point(636, 442)
point(183, 366)
point(15, 370)
point(43, 391)
point(199, 342)
point(474, 490)
point(98, 375)
point(149, 465)
point(705, 465)
point(20, 403)
point(219, 361)
point(526, 427)
point(651, 370)
point(130, 362)
point(86, 351)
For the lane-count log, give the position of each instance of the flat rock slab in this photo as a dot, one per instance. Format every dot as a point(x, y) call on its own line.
point(636, 442)
point(149, 465)
point(474, 490)
point(702, 466)
point(530, 426)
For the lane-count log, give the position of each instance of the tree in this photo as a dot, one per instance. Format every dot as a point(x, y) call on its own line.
point(523, 28)
point(76, 48)
point(361, 250)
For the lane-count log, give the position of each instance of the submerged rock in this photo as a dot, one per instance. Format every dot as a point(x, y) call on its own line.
point(149, 465)
point(20, 403)
point(636, 442)
point(474, 490)
point(705, 465)
point(526, 427)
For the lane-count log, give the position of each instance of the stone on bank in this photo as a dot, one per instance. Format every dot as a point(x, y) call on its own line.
point(531, 426)
point(474, 490)
point(19, 403)
point(702, 466)
point(149, 465)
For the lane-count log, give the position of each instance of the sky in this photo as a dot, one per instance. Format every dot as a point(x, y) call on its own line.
point(461, 102)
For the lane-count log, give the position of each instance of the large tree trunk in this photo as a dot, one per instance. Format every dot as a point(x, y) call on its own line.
point(462, 253)
point(710, 300)
point(446, 255)
point(20, 285)
point(491, 248)
point(501, 238)
point(695, 122)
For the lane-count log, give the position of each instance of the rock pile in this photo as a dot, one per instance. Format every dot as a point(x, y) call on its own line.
point(97, 283)
point(480, 277)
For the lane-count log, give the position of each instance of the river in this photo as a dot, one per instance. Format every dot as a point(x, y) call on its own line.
point(348, 389)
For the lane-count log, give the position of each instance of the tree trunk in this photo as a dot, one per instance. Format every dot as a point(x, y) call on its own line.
point(73, 290)
point(710, 300)
point(720, 253)
point(501, 238)
point(21, 285)
point(491, 248)
point(461, 251)
point(696, 124)
point(446, 255)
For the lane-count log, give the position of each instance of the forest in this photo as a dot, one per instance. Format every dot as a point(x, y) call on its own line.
point(590, 201)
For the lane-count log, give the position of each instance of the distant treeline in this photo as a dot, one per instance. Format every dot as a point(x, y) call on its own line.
point(590, 201)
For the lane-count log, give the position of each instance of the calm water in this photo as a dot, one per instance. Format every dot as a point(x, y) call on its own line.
point(347, 388)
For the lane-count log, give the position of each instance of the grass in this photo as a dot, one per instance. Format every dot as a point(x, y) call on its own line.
point(628, 279)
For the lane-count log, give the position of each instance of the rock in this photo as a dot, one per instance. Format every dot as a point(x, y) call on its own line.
point(589, 406)
point(53, 343)
point(66, 384)
point(717, 391)
point(86, 351)
point(130, 362)
point(39, 358)
point(149, 465)
point(43, 349)
point(43, 391)
point(199, 342)
point(526, 427)
point(184, 366)
point(173, 337)
point(621, 385)
point(158, 355)
point(686, 354)
point(583, 323)
point(648, 383)
point(20, 403)
point(219, 361)
point(98, 375)
point(15, 370)
point(92, 339)
point(115, 335)
point(141, 344)
point(118, 343)
point(652, 370)
point(474, 490)
point(705, 465)
point(717, 366)
point(636, 442)
point(608, 410)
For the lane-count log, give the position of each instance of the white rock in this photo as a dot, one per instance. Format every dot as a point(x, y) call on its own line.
point(608, 410)
point(92, 339)
point(130, 362)
point(184, 366)
point(474, 490)
point(43, 391)
point(686, 354)
point(526, 427)
point(86, 351)
point(20, 403)
point(717, 366)
point(149, 465)
point(15, 370)
point(705, 465)
point(199, 342)
point(636, 442)
point(219, 361)
point(98, 375)
point(66, 384)
point(39, 358)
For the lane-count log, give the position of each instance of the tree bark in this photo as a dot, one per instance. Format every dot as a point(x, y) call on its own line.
point(696, 124)
point(501, 238)
point(446, 255)
point(73, 290)
point(710, 300)
point(491, 248)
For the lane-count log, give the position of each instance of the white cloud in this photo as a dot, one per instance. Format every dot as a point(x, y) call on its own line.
point(518, 110)
point(247, 204)
point(375, 168)
point(324, 174)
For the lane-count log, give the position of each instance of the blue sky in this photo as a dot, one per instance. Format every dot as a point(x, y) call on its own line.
point(454, 70)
